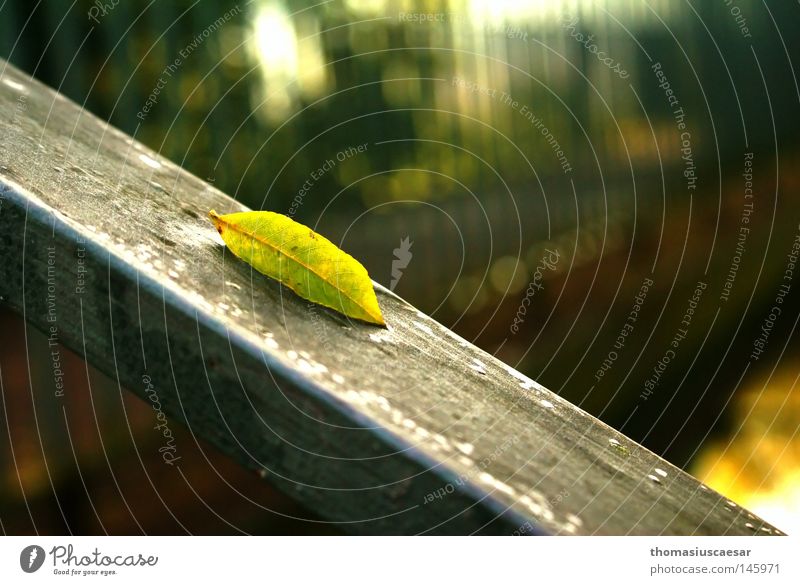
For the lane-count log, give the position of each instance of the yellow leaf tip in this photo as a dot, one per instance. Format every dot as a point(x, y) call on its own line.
point(214, 216)
point(376, 316)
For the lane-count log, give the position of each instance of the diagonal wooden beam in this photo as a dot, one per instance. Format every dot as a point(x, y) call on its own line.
point(106, 247)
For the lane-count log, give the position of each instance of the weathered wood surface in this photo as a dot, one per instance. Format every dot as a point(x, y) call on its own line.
point(405, 430)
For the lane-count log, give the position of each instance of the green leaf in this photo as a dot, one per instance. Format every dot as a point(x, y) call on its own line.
point(301, 259)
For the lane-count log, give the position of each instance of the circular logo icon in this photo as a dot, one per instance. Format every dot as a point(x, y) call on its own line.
point(31, 558)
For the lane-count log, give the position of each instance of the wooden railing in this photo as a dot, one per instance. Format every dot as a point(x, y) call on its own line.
point(107, 249)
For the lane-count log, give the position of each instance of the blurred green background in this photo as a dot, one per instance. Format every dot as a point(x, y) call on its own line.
point(492, 134)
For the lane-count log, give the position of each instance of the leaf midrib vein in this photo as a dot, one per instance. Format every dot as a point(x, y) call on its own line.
point(268, 244)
